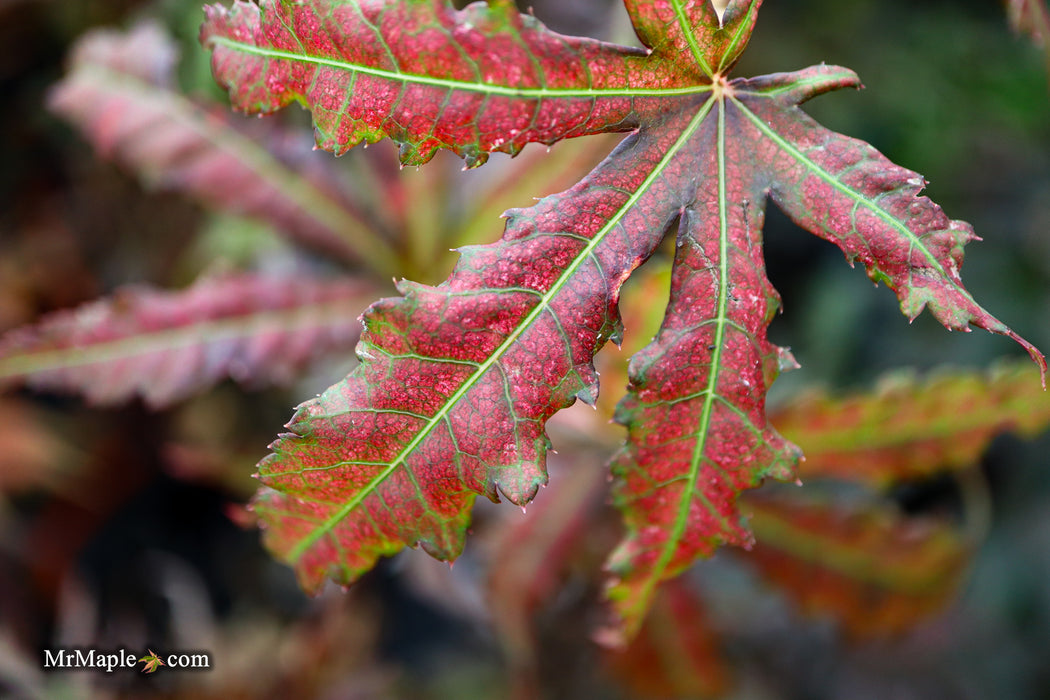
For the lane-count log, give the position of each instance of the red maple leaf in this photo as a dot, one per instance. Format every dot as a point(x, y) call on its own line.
point(457, 381)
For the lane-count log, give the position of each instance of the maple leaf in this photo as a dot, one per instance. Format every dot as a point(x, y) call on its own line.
point(457, 381)
point(152, 662)
point(167, 345)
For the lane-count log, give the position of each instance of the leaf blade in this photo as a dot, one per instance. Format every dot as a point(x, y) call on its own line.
point(697, 393)
point(905, 240)
point(164, 346)
point(463, 96)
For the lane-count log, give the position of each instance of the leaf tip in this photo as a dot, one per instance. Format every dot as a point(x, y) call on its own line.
point(1037, 357)
point(786, 360)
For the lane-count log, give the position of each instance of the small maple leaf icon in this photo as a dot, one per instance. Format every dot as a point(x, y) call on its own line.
point(152, 662)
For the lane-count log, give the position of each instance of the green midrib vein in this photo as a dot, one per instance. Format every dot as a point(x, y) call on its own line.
point(690, 37)
point(542, 306)
point(681, 522)
point(449, 84)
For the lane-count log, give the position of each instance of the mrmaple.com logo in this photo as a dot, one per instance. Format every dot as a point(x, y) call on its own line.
point(92, 659)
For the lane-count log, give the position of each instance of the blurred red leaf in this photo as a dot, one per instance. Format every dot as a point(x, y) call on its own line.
point(908, 428)
point(166, 345)
point(675, 654)
point(872, 569)
point(120, 93)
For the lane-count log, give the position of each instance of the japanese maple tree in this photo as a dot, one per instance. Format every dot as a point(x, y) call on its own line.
point(456, 382)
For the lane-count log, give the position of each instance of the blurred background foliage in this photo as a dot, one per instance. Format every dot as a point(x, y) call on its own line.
point(119, 527)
